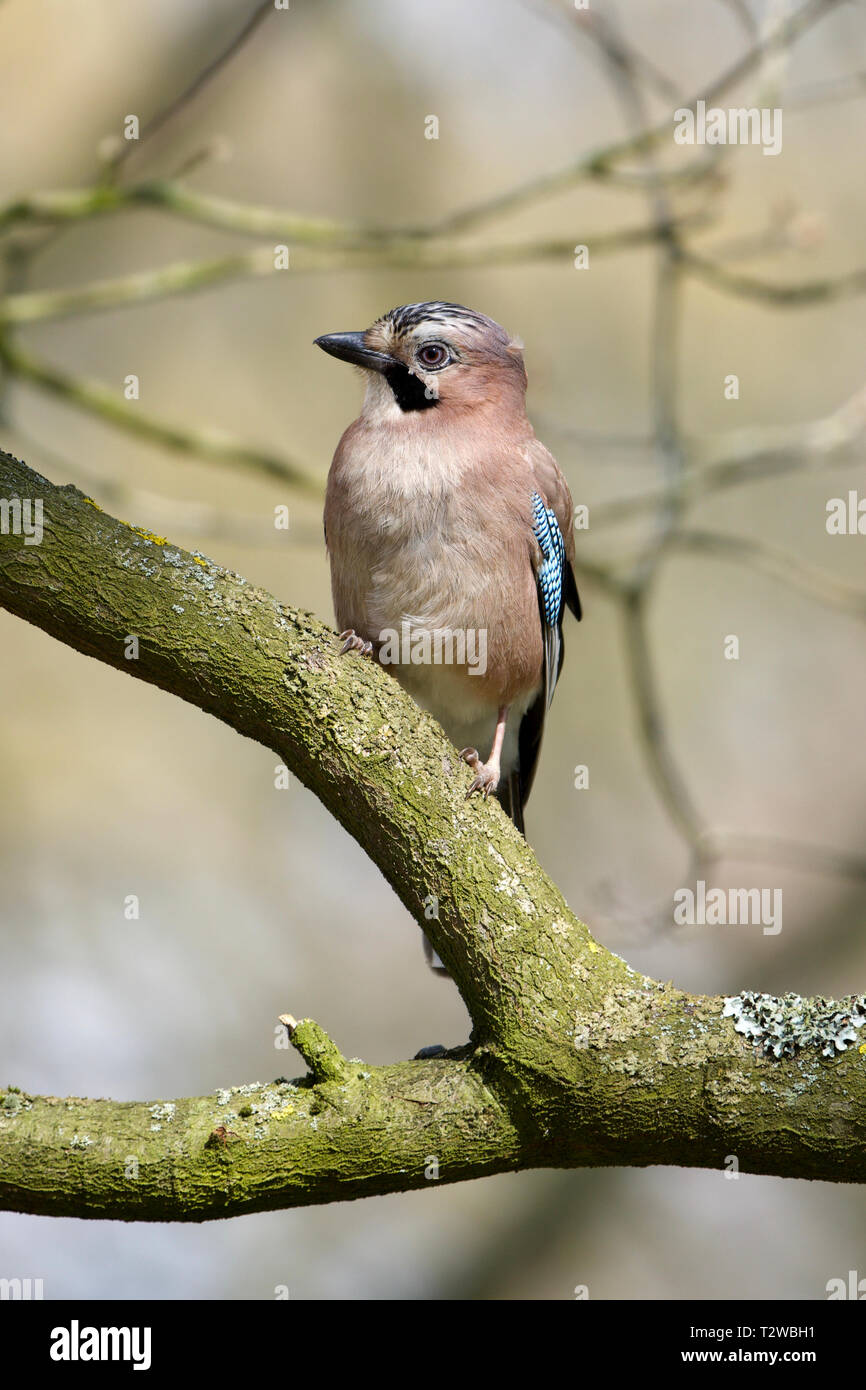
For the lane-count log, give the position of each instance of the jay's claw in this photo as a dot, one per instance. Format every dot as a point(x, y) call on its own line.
point(353, 643)
point(486, 778)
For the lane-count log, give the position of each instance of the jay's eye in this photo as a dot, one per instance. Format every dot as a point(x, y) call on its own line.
point(433, 355)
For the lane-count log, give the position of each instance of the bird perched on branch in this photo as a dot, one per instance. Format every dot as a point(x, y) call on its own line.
point(449, 529)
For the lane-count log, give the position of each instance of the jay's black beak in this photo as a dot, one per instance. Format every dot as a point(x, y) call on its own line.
point(350, 347)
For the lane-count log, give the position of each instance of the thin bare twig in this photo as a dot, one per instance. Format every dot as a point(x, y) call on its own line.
point(778, 565)
point(104, 403)
point(197, 85)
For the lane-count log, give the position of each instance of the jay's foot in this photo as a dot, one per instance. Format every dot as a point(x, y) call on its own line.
point(353, 643)
point(486, 774)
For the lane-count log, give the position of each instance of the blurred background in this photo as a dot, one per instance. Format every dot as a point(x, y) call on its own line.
point(253, 901)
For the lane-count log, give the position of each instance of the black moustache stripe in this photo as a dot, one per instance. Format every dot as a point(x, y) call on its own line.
point(409, 391)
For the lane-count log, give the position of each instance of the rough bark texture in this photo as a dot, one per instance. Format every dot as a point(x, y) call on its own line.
point(575, 1058)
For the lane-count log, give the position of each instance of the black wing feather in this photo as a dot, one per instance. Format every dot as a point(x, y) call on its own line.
point(513, 792)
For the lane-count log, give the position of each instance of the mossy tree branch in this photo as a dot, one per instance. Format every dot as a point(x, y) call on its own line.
point(575, 1059)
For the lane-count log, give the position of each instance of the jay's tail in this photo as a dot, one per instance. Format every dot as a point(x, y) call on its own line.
point(511, 795)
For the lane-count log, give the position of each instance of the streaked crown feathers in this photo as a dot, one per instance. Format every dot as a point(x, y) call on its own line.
point(438, 316)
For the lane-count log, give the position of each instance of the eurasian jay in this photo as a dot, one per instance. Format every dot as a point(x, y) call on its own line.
point(445, 516)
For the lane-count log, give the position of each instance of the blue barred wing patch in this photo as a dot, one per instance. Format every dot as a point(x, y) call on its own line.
point(550, 573)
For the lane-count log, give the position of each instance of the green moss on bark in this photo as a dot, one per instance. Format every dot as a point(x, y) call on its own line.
point(576, 1059)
